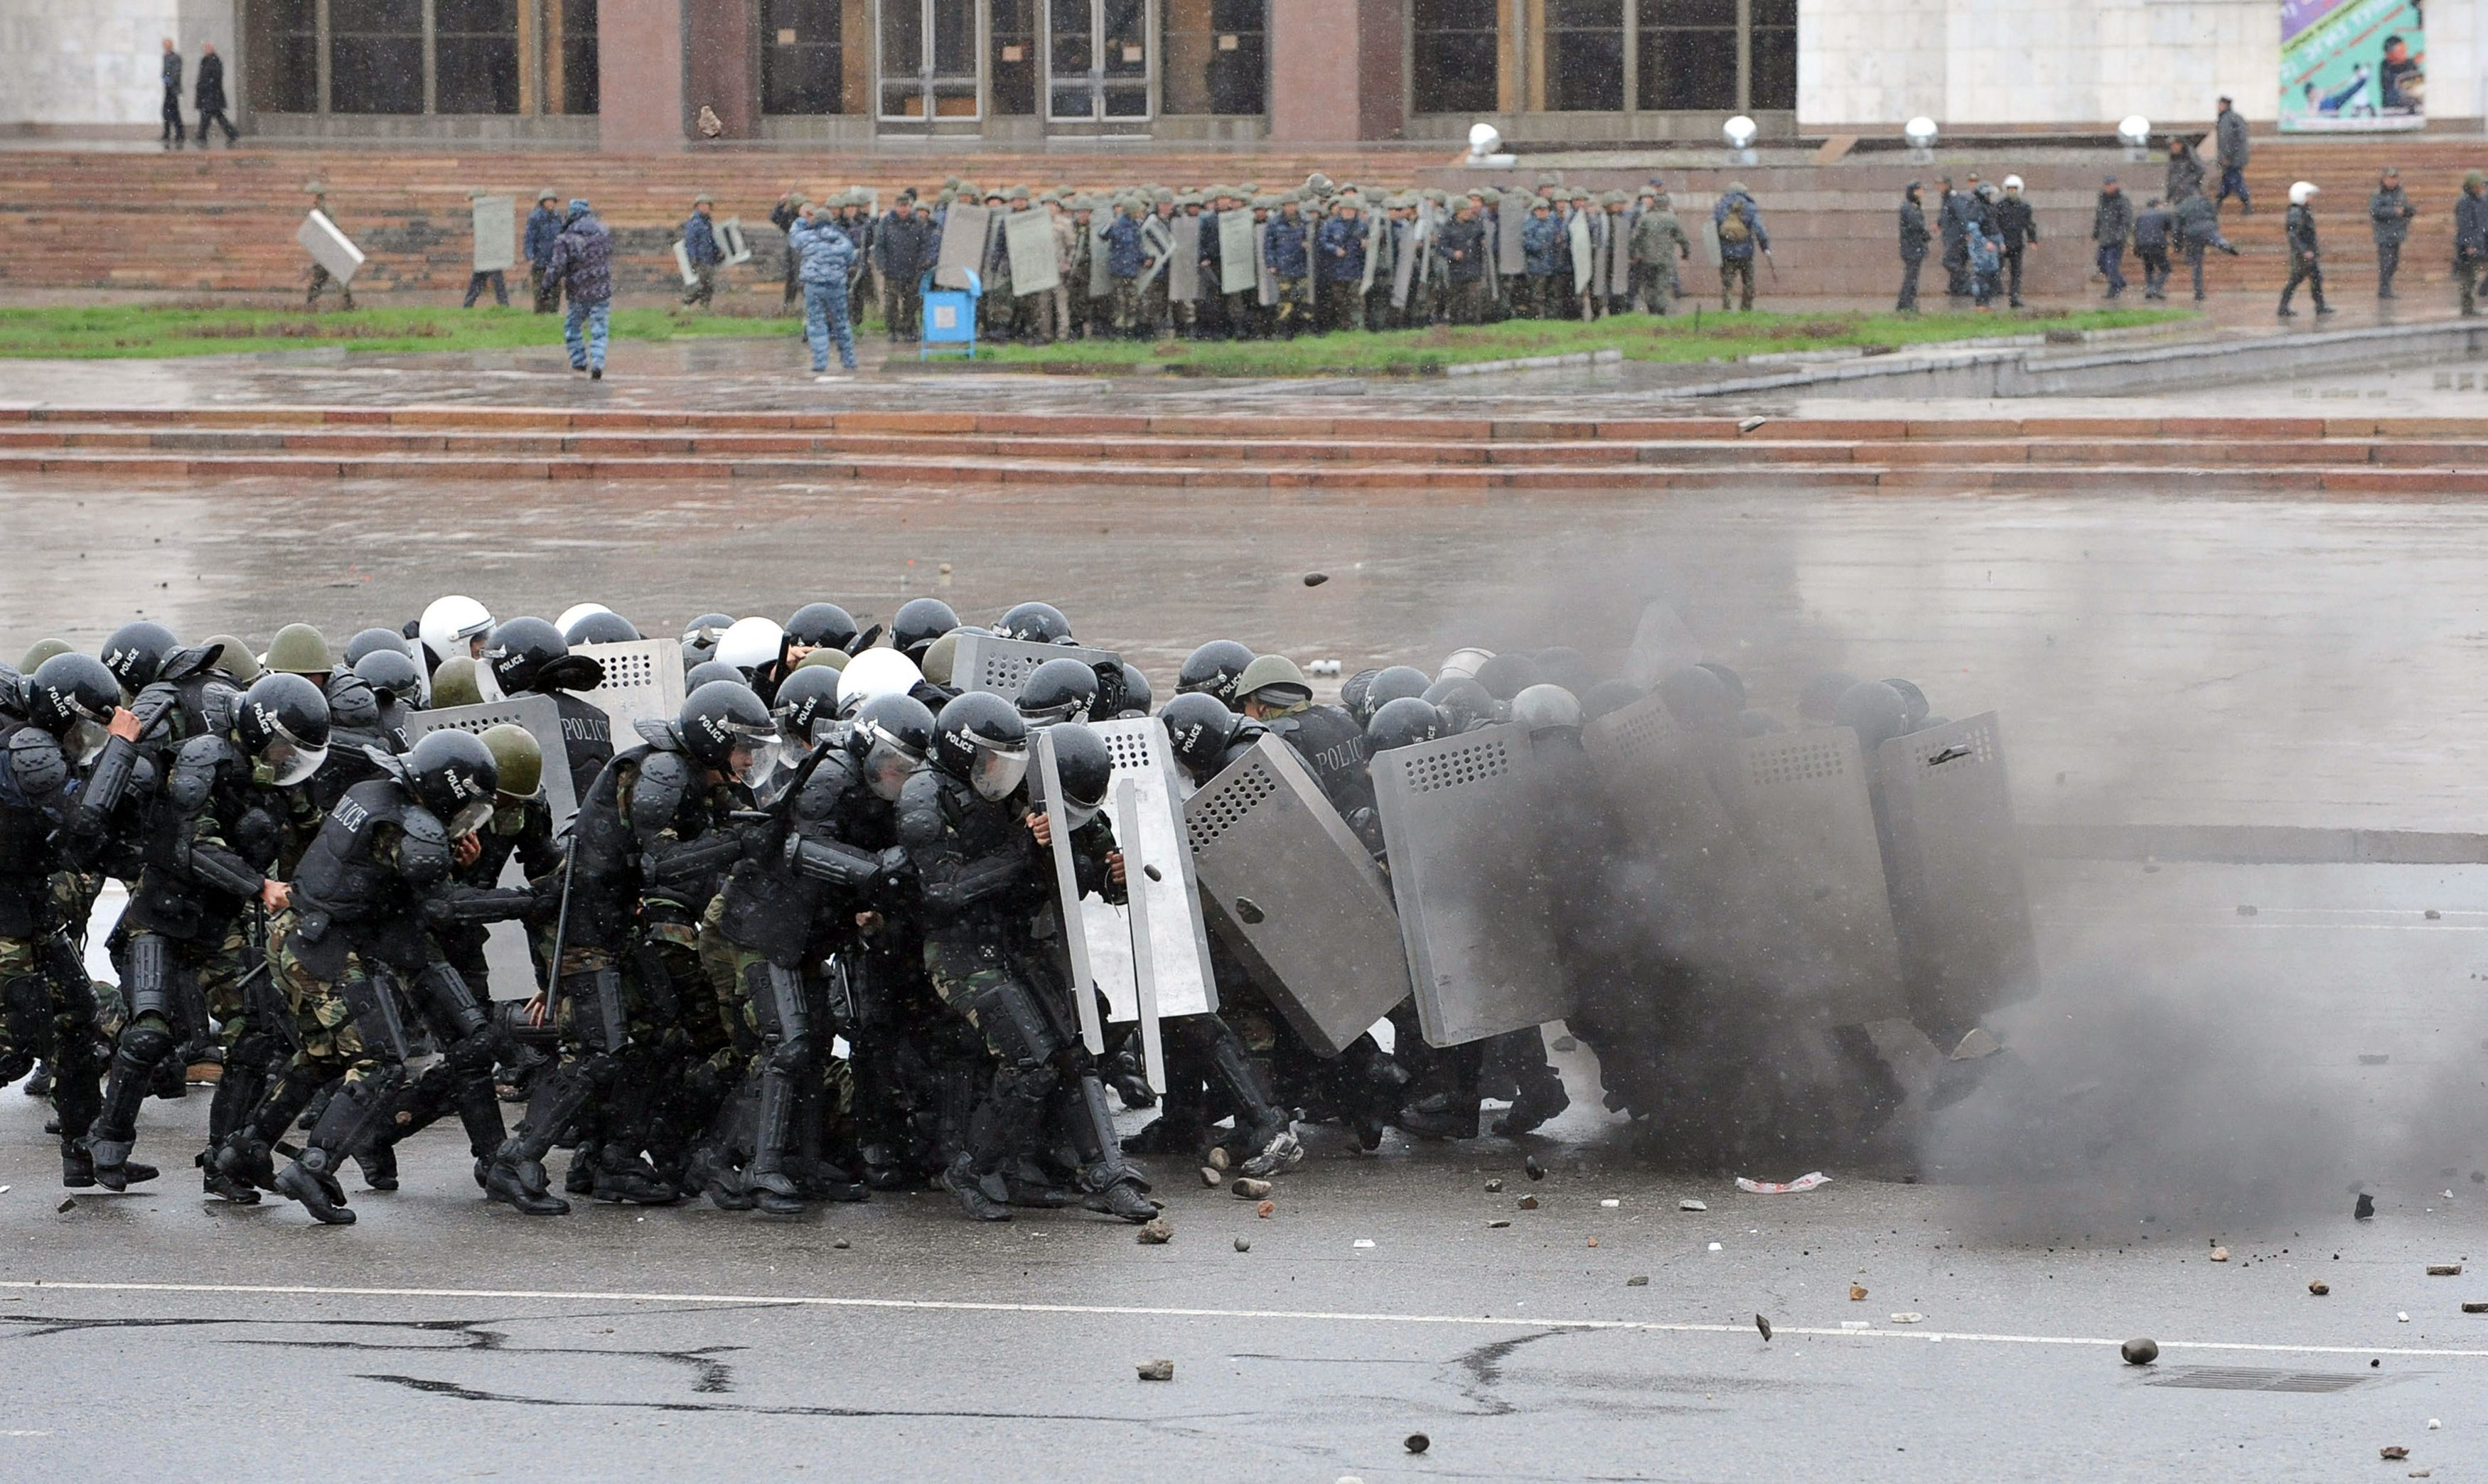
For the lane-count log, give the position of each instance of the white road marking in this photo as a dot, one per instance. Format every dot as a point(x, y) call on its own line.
point(1139, 1311)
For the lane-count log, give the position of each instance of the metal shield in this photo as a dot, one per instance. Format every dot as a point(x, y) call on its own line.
point(1683, 864)
point(1509, 218)
point(1265, 282)
point(1954, 862)
point(683, 264)
point(497, 238)
point(962, 252)
point(1239, 250)
point(328, 248)
point(733, 240)
point(1294, 894)
point(537, 713)
point(644, 682)
point(1146, 806)
point(1036, 256)
point(988, 661)
point(1048, 784)
point(1183, 270)
point(1458, 815)
point(1812, 826)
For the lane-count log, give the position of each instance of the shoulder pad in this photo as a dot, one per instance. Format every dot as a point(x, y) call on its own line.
point(188, 662)
point(37, 766)
point(919, 810)
point(353, 704)
point(822, 791)
point(423, 850)
point(194, 771)
point(13, 691)
point(659, 735)
point(391, 767)
point(665, 781)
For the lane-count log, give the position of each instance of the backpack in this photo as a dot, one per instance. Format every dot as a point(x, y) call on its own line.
point(1733, 228)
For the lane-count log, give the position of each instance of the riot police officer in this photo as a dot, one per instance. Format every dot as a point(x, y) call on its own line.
point(528, 655)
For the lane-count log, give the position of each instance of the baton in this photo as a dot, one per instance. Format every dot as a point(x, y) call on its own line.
point(1775, 267)
point(560, 925)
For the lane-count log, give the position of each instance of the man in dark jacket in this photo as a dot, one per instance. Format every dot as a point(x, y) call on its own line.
point(583, 265)
point(1338, 267)
point(210, 97)
point(2198, 228)
point(2230, 135)
point(2185, 173)
point(1738, 222)
point(1949, 224)
point(1462, 246)
point(699, 246)
point(1284, 248)
point(2111, 224)
point(2151, 233)
point(2018, 227)
point(544, 227)
point(784, 217)
point(2470, 239)
point(2306, 256)
point(1913, 247)
point(902, 249)
point(175, 135)
point(2389, 213)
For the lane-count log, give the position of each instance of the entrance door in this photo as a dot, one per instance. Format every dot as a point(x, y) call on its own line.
point(1099, 59)
point(928, 51)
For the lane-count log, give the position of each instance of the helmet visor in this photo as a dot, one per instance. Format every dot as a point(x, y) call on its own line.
point(887, 765)
point(997, 774)
point(1079, 814)
point(84, 741)
point(288, 759)
point(472, 816)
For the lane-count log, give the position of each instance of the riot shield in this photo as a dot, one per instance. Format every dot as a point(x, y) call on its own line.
point(1149, 827)
point(1137, 864)
point(1458, 815)
point(962, 249)
point(1290, 889)
point(542, 719)
point(497, 242)
point(1238, 251)
point(1812, 828)
point(1066, 878)
point(1036, 257)
point(1509, 218)
point(733, 242)
point(1183, 270)
point(1683, 877)
point(644, 682)
point(328, 248)
point(988, 661)
point(1954, 861)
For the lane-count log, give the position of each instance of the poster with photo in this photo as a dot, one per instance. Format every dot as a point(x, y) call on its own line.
point(2352, 65)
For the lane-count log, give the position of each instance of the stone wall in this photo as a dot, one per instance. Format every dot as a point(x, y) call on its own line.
point(87, 64)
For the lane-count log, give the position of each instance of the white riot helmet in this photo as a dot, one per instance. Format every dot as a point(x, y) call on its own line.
point(752, 644)
point(1464, 662)
point(576, 612)
point(2012, 182)
point(451, 626)
point(2301, 194)
point(873, 674)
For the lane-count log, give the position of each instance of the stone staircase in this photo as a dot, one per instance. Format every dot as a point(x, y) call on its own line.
point(2399, 457)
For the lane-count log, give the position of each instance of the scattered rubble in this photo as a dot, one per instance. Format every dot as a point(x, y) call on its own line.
point(2475, 1309)
point(1805, 1182)
point(1691, 1204)
point(1857, 1292)
point(1535, 1170)
point(1416, 1443)
point(1529, 1203)
point(1908, 1317)
point(1494, 1187)
point(2392, 1453)
point(1264, 1209)
point(2365, 1210)
point(1158, 1232)
point(1362, 1243)
point(1211, 1178)
point(1497, 1224)
point(1156, 1370)
point(1765, 1325)
point(2444, 1270)
point(2140, 1351)
point(1243, 1244)
point(2219, 1254)
point(2319, 1288)
point(1246, 1188)
point(1316, 578)
point(1638, 1280)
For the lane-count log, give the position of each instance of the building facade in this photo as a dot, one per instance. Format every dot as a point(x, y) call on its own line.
point(635, 74)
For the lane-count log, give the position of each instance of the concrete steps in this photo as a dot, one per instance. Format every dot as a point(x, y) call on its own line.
point(2423, 457)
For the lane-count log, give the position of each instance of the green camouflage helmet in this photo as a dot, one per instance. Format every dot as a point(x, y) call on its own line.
point(233, 660)
point(456, 684)
point(834, 658)
point(299, 649)
point(518, 758)
point(1279, 675)
point(45, 649)
point(941, 658)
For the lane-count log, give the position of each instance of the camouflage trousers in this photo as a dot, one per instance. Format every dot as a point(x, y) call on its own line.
point(1124, 299)
point(344, 1026)
point(1294, 312)
point(725, 965)
point(48, 1013)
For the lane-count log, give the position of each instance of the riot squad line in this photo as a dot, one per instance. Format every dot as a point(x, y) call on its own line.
point(806, 915)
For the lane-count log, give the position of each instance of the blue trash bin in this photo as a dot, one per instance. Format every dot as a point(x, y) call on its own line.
point(949, 317)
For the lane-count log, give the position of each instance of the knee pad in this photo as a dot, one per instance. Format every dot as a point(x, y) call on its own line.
point(1016, 1025)
point(145, 1042)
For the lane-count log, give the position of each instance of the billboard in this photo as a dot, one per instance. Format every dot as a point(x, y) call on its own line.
point(2351, 66)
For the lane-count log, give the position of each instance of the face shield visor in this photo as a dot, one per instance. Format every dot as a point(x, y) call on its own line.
point(472, 816)
point(997, 773)
point(285, 761)
point(888, 764)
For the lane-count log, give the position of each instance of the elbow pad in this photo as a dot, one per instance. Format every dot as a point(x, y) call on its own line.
point(827, 860)
point(476, 906)
point(695, 858)
point(222, 871)
point(974, 882)
point(105, 784)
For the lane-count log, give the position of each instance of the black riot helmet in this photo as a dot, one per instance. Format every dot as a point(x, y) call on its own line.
point(452, 774)
point(1391, 683)
point(1351, 694)
point(70, 694)
point(1729, 678)
point(1035, 623)
point(1820, 700)
point(918, 622)
point(1608, 696)
point(1463, 702)
point(1137, 697)
point(1404, 722)
point(1085, 771)
point(1199, 727)
point(602, 626)
point(1506, 676)
point(518, 651)
point(700, 637)
point(720, 720)
point(806, 701)
point(1213, 669)
point(1699, 700)
point(821, 626)
point(282, 725)
point(392, 673)
point(368, 641)
point(135, 652)
point(353, 705)
point(1913, 702)
point(1877, 712)
point(890, 740)
point(981, 740)
point(1059, 690)
point(709, 672)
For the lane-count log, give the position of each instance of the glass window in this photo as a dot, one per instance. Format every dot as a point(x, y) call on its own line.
point(1775, 54)
point(295, 30)
point(1011, 77)
point(578, 76)
point(476, 50)
point(375, 56)
point(1585, 55)
point(1689, 54)
point(802, 57)
point(1457, 56)
point(1214, 56)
